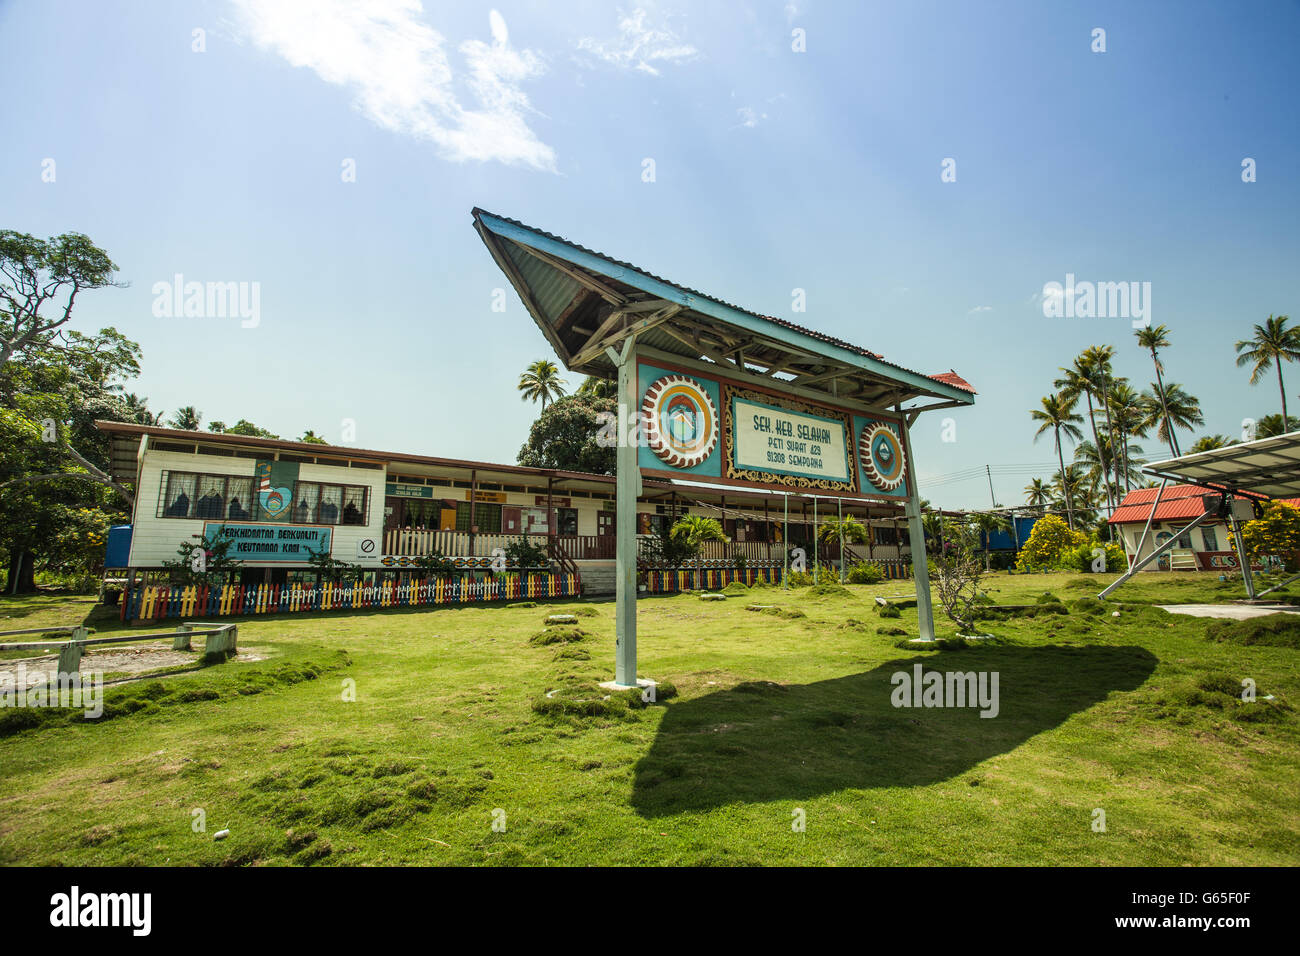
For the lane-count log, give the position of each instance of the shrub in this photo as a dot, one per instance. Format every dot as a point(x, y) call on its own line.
point(865, 572)
point(800, 579)
point(1050, 538)
point(889, 610)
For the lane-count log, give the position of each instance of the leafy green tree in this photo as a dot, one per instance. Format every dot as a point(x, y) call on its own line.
point(1038, 492)
point(1276, 532)
point(1272, 344)
point(567, 435)
point(541, 382)
point(206, 561)
point(248, 429)
point(311, 438)
point(988, 524)
point(1050, 539)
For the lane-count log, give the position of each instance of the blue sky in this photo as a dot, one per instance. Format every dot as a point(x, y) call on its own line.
point(775, 170)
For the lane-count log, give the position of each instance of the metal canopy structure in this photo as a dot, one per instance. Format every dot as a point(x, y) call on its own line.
point(1265, 468)
point(599, 314)
point(585, 302)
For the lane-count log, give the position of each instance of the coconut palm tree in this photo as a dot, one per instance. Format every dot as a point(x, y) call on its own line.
point(1129, 414)
point(1272, 344)
point(593, 387)
point(1097, 360)
point(1153, 338)
point(311, 438)
point(693, 531)
point(541, 381)
point(1169, 404)
point(1211, 442)
point(1079, 380)
point(1056, 414)
point(1271, 425)
point(1038, 492)
point(187, 418)
point(987, 524)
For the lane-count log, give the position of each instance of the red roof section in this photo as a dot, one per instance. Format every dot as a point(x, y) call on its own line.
point(1178, 502)
point(952, 378)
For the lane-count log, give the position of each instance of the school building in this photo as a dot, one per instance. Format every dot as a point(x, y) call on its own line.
point(279, 500)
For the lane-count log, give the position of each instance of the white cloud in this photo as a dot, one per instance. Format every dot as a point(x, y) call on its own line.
point(980, 308)
point(639, 46)
point(749, 117)
point(394, 63)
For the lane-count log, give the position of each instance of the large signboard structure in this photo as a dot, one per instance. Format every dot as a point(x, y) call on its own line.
point(719, 395)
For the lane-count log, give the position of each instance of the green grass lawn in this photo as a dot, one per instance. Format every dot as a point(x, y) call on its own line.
point(773, 713)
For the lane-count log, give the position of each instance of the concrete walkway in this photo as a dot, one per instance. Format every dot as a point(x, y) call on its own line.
point(1233, 612)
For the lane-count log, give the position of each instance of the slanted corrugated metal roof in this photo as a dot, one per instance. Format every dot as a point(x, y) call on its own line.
point(556, 301)
point(1264, 468)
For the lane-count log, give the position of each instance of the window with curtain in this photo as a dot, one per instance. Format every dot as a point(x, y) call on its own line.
point(178, 502)
point(239, 499)
point(331, 504)
point(211, 501)
point(354, 505)
point(305, 498)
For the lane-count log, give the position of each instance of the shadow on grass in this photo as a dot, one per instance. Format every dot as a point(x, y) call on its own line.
point(760, 742)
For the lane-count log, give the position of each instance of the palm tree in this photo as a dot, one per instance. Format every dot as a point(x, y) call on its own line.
point(1078, 495)
point(1273, 343)
point(1078, 380)
point(1097, 360)
point(137, 410)
point(1038, 492)
point(1153, 338)
point(693, 531)
point(1057, 414)
point(1211, 442)
point(1129, 415)
point(593, 387)
point(1169, 403)
point(542, 381)
point(988, 523)
point(187, 418)
point(311, 438)
point(1271, 425)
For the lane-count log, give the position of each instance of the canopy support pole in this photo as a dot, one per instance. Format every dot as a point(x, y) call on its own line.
point(1242, 557)
point(626, 482)
point(916, 531)
point(1167, 546)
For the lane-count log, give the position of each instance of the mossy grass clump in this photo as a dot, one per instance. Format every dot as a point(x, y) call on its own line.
point(586, 699)
point(889, 630)
point(569, 653)
point(888, 611)
point(1271, 630)
point(583, 610)
point(1088, 605)
point(736, 587)
point(787, 613)
point(829, 589)
point(564, 634)
point(1047, 597)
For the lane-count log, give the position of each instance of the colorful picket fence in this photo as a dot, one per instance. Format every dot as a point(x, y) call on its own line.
point(895, 569)
point(671, 580)
point(155, 602)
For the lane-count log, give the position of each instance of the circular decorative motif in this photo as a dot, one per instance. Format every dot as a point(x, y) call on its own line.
point(681, 423)
point(881, 454)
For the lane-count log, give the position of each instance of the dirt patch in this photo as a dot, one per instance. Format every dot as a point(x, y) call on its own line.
point(120, 660)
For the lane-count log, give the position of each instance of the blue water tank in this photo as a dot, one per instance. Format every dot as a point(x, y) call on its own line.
point(118, 549)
